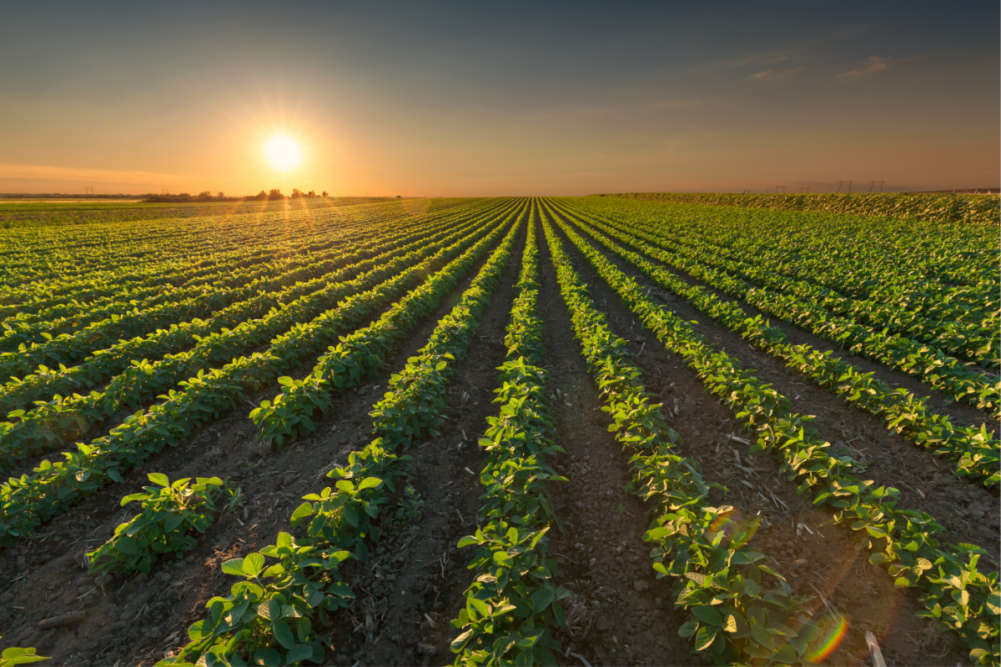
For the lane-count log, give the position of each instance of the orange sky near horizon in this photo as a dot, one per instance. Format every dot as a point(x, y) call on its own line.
point(475, 101)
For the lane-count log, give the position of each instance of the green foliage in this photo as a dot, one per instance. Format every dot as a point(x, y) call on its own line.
point(19, 656)
point(901, 540)
point(171, 516)
point(975, 451)
point(513, 606)
point(734, 614)
point(931, 207)
point(341, 520)
point(268, 617)
point(52, 487)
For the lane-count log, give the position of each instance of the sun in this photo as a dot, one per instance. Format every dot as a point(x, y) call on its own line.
point(282, 153)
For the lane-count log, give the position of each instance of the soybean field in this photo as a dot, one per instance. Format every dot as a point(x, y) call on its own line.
point(609, 430)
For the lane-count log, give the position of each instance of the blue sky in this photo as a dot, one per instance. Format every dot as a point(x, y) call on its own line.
point(499, 98)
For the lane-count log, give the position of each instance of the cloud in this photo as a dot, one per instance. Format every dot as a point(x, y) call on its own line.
point(875, 66)
point(769, 74)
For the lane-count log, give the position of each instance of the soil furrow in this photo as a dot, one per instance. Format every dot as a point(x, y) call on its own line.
point(618, 612)
point(960, 413)
point(966, 509)
point(140, 617)
point(412, 584)
point(813, 557)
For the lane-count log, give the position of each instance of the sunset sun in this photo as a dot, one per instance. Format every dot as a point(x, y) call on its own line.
point(282, 153)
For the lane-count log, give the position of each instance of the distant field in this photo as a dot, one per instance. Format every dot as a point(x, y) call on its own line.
point(925, 206)
point(625, 431)
point(18, 213)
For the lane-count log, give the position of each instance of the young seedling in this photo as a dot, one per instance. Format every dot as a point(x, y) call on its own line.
point(171, 515)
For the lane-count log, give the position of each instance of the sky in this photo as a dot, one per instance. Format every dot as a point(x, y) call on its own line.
point(512, 98)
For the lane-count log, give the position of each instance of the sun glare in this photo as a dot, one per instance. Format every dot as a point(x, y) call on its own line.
point(282, 153)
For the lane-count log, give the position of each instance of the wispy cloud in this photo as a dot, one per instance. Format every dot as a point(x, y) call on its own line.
point(768, 74)
point(874, 65)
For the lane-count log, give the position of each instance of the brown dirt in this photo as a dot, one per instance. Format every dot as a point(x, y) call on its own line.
point(135, 620)
point(412, 585)
point(826, 559)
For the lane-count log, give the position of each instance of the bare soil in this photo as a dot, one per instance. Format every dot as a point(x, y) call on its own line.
point(412, 585)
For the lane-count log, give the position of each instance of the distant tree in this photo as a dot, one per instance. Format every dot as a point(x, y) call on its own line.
point(311, 193)
point(296, 192)
point(262, 193)
point(220, 194)
point(275, 192)
point(324, 194)
point(399, 197)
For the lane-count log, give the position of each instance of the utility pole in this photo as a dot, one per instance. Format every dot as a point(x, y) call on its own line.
point(804, 188)
point(88, 189)
point(872, 184)
point(839, 186)
point(780, 186)
point(881, 186)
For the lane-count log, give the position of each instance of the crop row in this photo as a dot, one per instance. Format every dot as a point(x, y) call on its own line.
point(951, 588)
point(849, 260)
point(240, 278)
point(291, 412)
point(176, 272)
point(970, 340)
point(269, 238)
point(702, 548)
point(52, 423)
point(974, 452)
point(513, 603)
point(70, 347)
point(342, 518)
point(27, 327)
point(897, 250)
point(930, 366)
point(52, 487)
point(45, 382)
point(976, 209)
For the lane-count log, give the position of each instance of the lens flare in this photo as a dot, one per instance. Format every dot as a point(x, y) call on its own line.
point(735, 527)
point(831, 631)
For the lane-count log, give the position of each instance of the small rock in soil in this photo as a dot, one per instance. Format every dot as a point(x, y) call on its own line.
point(640, 585)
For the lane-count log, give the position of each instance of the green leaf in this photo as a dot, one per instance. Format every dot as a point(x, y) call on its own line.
point(301, 512)
point(762, 636)
point(688, 628)
point(708, 615)
point(299, 653)
point(282, 633)
point(479, 606)
point(127, 545)
point(234, 566)
point(541, 598)
point(172, 522)
point(705, 637)
point(369, 483)
point(159, 479)
point(253, 564)
point(270, 609)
